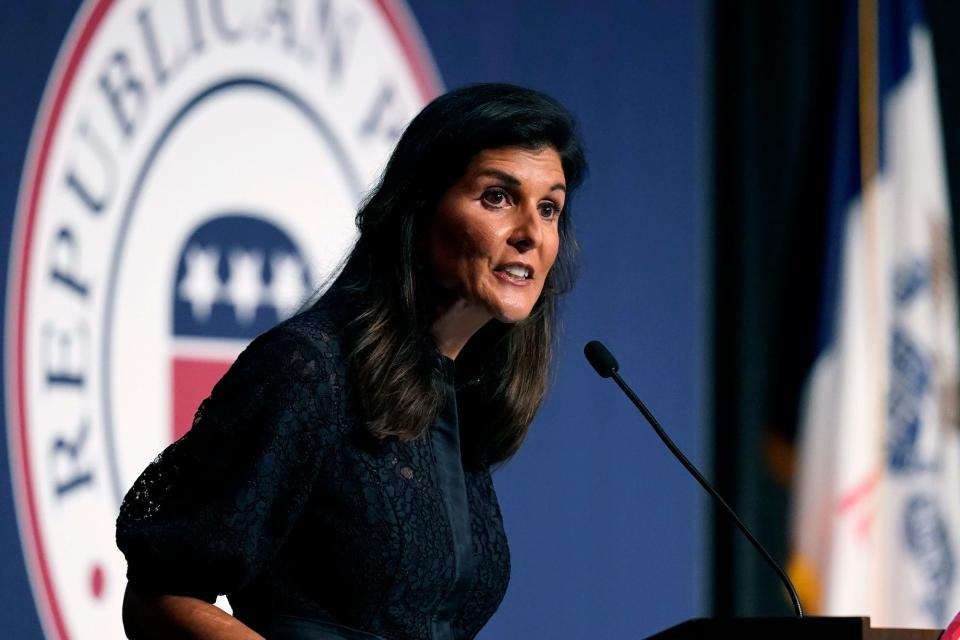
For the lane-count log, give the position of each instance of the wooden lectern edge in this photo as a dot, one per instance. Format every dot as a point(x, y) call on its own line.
point(898, 633)
point(789, 628)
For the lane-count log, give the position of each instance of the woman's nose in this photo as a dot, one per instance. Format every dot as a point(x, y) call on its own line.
point(527, 233)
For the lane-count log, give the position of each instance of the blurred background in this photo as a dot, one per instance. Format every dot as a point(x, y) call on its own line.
point(709, 234)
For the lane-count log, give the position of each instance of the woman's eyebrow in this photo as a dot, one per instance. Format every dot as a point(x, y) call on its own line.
point(500, 175)
point(513, 181)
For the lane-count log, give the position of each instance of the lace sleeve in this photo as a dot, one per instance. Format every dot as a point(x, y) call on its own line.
point(203, 518)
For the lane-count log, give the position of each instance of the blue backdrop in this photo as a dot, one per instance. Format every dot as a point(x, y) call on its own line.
point(606, 530)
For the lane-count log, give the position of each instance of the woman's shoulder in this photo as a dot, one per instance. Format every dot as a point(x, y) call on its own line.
point(313, 333)
point(299, 363)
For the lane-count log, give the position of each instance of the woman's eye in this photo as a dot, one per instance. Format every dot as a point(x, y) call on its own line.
point(496, 198)
point(549, 210)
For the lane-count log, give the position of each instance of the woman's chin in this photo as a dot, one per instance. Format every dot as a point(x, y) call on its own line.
point(511, 315)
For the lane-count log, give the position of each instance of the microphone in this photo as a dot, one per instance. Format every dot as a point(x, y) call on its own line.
point(606, 365)
point(601, 359)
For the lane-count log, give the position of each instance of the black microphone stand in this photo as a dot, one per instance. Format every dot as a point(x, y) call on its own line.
point(606, 365)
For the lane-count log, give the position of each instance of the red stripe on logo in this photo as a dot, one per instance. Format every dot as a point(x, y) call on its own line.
point(193, 380)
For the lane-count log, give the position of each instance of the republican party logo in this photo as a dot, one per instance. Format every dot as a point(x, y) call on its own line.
point(192, 180)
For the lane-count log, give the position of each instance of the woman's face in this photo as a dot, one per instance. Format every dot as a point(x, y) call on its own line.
point(495, 235)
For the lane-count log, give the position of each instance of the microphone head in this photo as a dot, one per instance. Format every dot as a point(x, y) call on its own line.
point(601, 359)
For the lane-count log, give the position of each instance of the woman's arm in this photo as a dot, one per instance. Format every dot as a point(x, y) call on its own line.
point(149, 617)
point(212, 511)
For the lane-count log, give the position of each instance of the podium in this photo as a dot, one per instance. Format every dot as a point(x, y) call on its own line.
point(811, 628)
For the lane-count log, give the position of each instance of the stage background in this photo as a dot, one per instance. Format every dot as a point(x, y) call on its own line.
point(606, 529)
point(773, 95)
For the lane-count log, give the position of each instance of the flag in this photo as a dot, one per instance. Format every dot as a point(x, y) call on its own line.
point(876, 513)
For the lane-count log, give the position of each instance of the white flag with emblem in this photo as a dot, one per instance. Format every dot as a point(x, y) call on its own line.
point(876, 517)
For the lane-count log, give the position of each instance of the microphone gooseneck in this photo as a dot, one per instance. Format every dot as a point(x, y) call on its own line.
point(606, 365)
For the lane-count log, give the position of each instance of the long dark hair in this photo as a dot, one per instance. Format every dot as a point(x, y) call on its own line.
point(504, 369)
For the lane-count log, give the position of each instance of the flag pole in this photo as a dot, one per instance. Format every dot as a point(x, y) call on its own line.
point(869, 104)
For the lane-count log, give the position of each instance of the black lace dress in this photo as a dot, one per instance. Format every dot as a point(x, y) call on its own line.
point(311, 527)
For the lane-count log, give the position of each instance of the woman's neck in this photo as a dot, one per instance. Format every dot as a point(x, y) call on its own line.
point(454, 325)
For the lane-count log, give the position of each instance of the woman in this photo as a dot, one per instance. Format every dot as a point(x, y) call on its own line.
point(336, 483)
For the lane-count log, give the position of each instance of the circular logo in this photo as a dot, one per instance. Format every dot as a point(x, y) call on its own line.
point(192, 179)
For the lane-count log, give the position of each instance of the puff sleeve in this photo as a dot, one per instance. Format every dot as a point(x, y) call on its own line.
point(213, 508)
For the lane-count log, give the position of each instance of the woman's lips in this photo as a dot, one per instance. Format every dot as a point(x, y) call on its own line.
point(512, 279)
